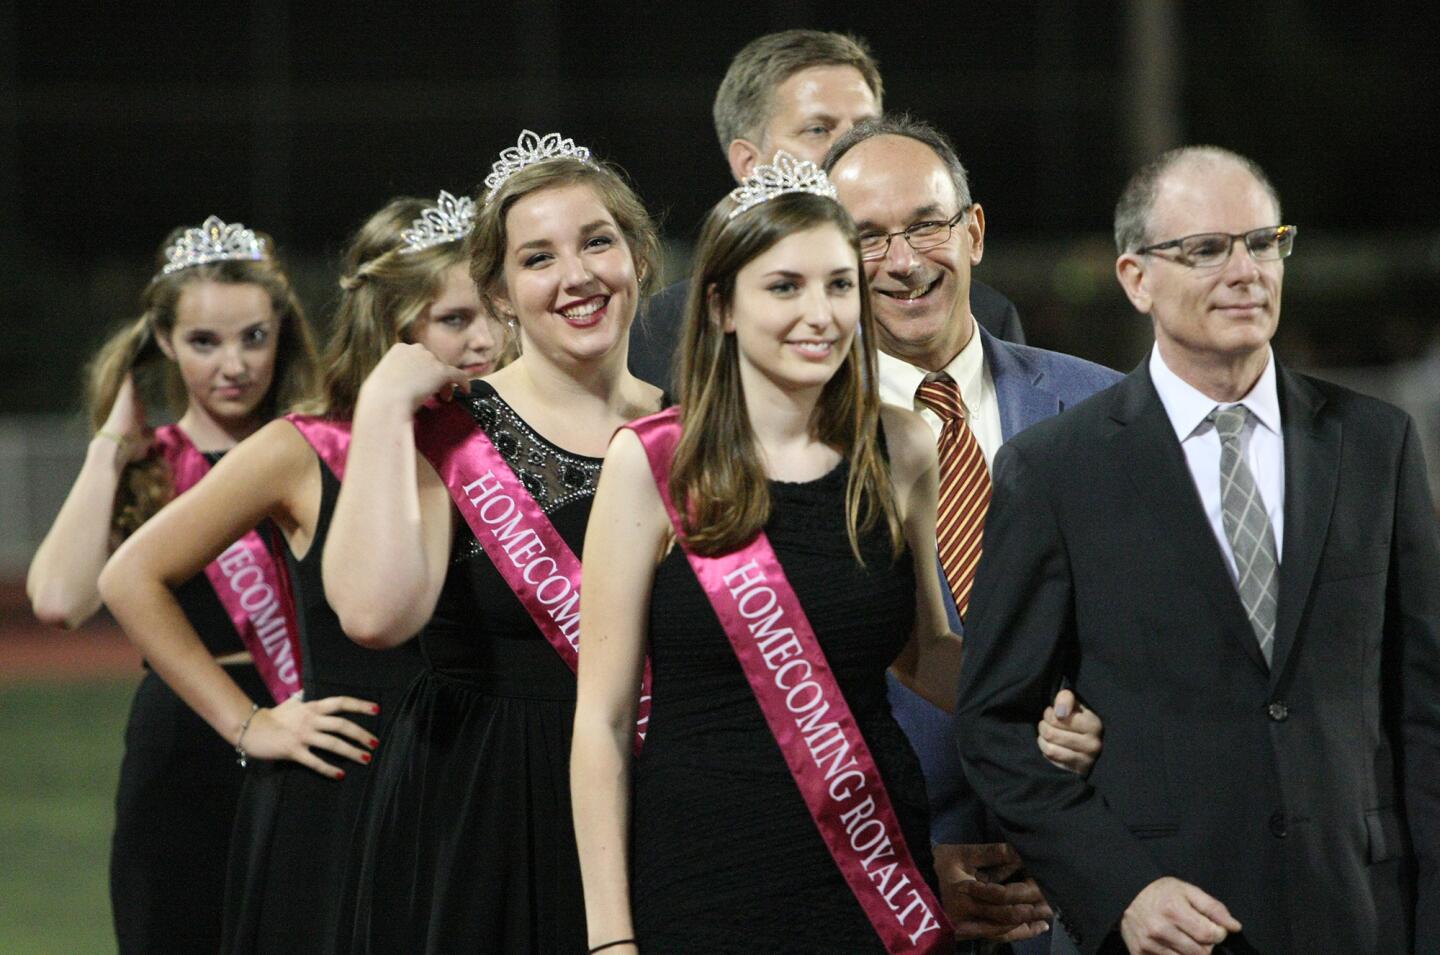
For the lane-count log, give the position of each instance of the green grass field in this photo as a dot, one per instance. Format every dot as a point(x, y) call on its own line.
point(60, 749)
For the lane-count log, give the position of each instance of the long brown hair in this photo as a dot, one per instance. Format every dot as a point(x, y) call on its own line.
point(490, 239)
point(717, 480)
point(145, 486)
point(384, 289)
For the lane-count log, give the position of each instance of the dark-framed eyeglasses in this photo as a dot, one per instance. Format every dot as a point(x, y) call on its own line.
point(920, 236)
point(1209, 250)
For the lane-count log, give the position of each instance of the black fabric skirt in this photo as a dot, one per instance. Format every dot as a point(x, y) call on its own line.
point(179, 783)
point(467, 839)
point(293, 843)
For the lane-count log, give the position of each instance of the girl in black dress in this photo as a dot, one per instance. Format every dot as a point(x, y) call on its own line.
point(223, 338)
point(405, 280)
point(467, 843)
point(711, 847)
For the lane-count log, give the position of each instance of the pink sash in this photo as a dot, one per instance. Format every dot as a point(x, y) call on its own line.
point(249, 579)
point(330, 437)
point(811, 722)
point(532, 557)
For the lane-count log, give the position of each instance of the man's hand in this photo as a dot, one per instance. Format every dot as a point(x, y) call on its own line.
point(1170, 917)
point(979, 900)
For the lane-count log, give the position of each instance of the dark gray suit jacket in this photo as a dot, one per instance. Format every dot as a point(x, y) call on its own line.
point(1302, 795)
point(656, 334)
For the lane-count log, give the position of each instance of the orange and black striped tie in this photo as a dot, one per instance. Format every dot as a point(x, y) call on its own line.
point(964, 488)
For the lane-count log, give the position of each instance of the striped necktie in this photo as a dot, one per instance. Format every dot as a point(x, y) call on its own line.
point(964, 488)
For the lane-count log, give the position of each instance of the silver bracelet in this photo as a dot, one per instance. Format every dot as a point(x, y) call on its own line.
point(239, 740)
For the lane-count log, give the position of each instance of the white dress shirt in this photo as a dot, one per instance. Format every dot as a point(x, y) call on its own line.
point(1262, 443)
point(899, 381)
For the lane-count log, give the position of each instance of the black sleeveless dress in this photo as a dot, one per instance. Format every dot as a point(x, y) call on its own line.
point(468, 843)
point(295, 829)
point(175, 803)
point(724, 854)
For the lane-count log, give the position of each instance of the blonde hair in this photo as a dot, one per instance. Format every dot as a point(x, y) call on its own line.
point(490, 239)
point(384, 290)
point(146, 485)
point(745, 101)
point(717, 479)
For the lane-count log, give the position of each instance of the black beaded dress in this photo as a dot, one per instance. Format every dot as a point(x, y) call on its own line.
point(468, 843)
point(295, 829)
point(725, 857)
point(175, 803)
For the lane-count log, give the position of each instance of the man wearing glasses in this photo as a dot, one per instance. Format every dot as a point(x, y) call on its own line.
point(795, 90)
point(1239, 567)
point(920, 235)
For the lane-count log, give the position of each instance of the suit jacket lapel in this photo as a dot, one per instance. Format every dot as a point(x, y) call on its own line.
point(1155, 464)
point(1020, 387)
point(1312, 473)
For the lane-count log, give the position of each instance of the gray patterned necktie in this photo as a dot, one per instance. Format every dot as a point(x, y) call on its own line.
point(1247, 527)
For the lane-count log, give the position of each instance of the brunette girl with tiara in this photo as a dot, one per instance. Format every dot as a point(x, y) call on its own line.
point(473, 515)
point(405, 280)
point(770, 543)
point(223, 338)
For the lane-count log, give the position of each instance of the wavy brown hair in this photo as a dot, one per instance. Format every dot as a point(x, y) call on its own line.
point(717, 480)
point(490, 239)
point(384, 290)
point(146, 485)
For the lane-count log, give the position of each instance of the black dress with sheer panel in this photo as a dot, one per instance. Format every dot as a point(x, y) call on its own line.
point(294, 828)
point(175, 802)
point(468, 843)
point(725, 856)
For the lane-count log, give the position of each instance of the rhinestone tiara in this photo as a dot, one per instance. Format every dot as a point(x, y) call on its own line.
point(530, 149)
point(783, 174)
point(213, 241)
point(450, 219)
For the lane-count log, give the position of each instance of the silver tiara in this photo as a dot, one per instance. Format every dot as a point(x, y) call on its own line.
point(450, 219)
point(530, 149)
point(213, 241)
point(783, 174)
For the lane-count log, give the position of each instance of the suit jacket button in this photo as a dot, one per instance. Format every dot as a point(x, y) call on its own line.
point(1277, 825)
point(1278, 711)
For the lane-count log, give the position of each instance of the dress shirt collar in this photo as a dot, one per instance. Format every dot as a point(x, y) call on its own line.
point(899, 380)
point(1187, 407)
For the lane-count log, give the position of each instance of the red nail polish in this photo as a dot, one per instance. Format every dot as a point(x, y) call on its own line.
point(375, 709)
point(340, 774)
point(365, 757)
point(374, 743)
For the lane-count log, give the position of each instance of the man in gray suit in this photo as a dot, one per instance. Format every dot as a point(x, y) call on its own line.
point(795, 90)
point(921, 232)
point(1238, 565)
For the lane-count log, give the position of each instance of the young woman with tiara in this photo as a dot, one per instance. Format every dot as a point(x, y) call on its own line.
point(474, 515)
point(405, 280)
point(223, 338)
point(771, 543)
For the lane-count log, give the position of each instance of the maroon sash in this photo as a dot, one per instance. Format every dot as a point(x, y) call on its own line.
point(248, 578)
point(811, 722)
point(330, 437)
point(531, 556)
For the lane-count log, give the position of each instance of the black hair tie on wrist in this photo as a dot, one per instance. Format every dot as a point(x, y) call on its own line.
point(618, 941)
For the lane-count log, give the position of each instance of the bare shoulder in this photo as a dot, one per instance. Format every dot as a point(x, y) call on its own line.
point(626, 459)
point(910, 442)
point(276, 452)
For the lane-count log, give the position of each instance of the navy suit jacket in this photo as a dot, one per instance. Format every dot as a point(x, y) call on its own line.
point(1031, 384)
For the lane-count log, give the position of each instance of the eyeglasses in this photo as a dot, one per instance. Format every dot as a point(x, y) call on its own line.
point(920, 236)
point(1209, 250)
